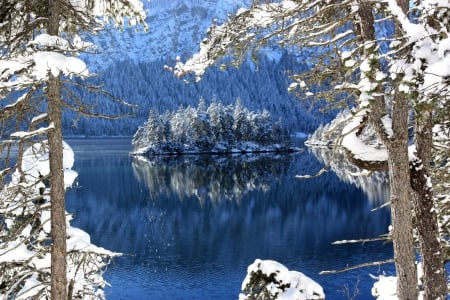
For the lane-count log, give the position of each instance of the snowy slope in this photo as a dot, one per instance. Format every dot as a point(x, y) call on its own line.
point(175, 28)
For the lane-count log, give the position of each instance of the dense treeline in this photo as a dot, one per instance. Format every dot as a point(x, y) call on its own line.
point(259, 86)
point(216, 129)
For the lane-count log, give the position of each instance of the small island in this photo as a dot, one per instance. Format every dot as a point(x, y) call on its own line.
point(217, 129)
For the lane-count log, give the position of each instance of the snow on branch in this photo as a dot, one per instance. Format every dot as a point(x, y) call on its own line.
point(28, 134)
point(365, 155)
point(25, 253)
point(364, 265)
point(56, 64)
point(45, 41)
point(235, 36)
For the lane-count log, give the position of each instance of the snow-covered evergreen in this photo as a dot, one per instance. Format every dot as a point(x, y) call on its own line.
point(268, 279)
point(26, 234)
point(216, 129)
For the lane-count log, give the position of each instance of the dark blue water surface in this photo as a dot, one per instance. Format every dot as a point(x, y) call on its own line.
point(190, 226)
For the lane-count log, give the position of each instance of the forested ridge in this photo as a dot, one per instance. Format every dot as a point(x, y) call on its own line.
point(260, 85)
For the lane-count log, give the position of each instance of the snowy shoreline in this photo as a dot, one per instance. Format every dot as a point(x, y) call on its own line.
point(234, 151)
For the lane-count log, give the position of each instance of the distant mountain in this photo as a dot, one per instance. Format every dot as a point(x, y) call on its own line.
point(176, 28)
point(131, 66)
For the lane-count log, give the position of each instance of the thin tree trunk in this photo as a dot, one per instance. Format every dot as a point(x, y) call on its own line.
point(57, 193)
point(57, 190)
point(434, 281)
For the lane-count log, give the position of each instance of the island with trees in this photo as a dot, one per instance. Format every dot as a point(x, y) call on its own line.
point(217, 129)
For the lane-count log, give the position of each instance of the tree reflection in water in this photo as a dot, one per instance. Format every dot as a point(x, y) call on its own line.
point(209, 177)
point(375, 184)
point(193, 224)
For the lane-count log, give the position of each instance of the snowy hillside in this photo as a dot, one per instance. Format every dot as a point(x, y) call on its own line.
point(175, 28)
point(131, 67)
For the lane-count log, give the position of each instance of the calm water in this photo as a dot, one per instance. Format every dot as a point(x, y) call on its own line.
point(190, 227)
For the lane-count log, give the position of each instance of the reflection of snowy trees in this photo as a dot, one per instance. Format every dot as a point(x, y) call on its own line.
point(207, 177)
point(216, 129)
point(172, 229)
point(374, 185)
point(321, 144)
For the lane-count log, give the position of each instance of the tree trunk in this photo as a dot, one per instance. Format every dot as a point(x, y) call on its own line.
point(57, 189)
point(398, 162)
point(401, 208)
point(57, 193)
point(434, 281)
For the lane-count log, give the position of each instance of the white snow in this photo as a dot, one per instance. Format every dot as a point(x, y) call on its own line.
point(301, 287)
point(387, 124)
point(349, 63)
point(29, 289)
point(93, 259)
point(385, 288)
point(56, 64)
point(27, 134)
point(15, 251)
point(47, 40)
point(357, 147)
point(35, 162)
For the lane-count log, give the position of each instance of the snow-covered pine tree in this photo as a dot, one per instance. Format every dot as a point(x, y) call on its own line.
point(40, 42)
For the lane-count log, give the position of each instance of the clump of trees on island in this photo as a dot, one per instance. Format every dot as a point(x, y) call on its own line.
point(214, 129)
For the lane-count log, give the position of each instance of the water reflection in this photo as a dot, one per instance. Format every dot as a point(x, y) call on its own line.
point(192, 226)
point(375, 185)
point(210, 177)
point(272, 210)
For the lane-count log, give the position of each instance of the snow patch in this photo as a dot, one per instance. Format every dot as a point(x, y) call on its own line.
point(283, 283)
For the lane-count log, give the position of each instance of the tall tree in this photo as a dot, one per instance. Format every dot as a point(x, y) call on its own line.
point(396, 143)
point(39, 44)
point(57, 189)
point(388, 75)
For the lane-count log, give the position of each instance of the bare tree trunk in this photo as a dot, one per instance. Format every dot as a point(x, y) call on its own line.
point(57, 190)
point(426, 223)
point(434, 281)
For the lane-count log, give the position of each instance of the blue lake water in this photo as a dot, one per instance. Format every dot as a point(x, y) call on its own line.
point(189, 227)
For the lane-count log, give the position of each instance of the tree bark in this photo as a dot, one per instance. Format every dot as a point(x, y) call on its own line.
point(401, 208)
point(398, 162)
point(57, 189)
point(434, 281)
point(57, 193)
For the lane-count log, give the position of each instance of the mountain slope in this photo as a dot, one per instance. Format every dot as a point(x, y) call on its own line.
point(130, 64)
point(176, 28)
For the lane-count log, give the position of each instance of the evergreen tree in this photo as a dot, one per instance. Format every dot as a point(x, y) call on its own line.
point(40, 43)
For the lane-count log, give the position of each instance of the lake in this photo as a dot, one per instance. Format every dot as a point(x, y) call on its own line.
point(190, 226)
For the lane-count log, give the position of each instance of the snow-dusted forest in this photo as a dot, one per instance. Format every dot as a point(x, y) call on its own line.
point(259, 86)
point(214, 129)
